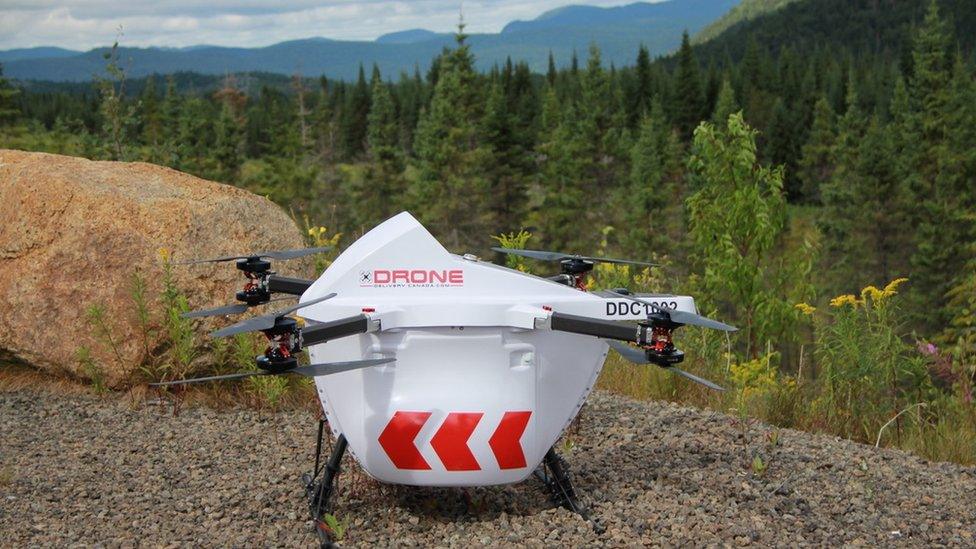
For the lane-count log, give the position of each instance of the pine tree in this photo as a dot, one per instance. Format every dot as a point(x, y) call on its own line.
point(689, 108)
point(551, 73)
point(935, 213)
point(354, 117)
point(817, 156)
point(650, 202)
point(381, 190)
point(228, 144)
point(8, 95)
point(151, 118)
point(725, 104)
point(643, 88)
point(843, 245)
point(451, 190)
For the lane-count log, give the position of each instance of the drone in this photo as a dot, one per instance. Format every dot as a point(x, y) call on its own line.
point(436, 369)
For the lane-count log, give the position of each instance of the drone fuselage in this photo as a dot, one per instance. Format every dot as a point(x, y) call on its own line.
point(480, 389)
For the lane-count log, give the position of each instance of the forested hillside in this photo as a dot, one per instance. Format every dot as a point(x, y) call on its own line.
point(746, 10)
point(851, 167)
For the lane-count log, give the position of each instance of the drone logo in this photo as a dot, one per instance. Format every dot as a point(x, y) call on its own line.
point(412, 278)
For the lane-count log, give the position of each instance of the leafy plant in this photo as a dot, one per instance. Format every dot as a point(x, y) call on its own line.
point(517, 240)
point(337, 527)
point(91, 370)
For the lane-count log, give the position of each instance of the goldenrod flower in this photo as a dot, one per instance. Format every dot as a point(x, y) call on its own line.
point(842, 300)
point(805, 308)
point(875, 294)
point(892, 287)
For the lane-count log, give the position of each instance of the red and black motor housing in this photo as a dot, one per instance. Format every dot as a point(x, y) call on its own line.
point(257, 271)
point(659, 347)
point(284, 346)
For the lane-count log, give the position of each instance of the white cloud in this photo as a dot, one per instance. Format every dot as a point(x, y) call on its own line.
point(84, 24)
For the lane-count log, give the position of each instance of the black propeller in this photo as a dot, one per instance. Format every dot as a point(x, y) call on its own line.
point(681, 317)
point(558, 256)
point(230, 309)
point(312, 370)
point(274, 254)
point(265, 322)
point(638, 357)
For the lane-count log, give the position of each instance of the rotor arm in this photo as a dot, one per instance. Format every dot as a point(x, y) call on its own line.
point(605, 329)
point(285, 285)
point(335, 329)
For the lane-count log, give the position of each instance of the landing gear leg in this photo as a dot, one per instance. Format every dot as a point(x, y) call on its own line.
point(554, 473)
point(319, 493)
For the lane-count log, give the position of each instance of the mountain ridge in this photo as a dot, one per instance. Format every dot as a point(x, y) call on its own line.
point(619, 31)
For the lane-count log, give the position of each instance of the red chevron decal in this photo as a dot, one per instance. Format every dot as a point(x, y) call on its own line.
point(505, 443)
point(397, 440)
point(450, 442)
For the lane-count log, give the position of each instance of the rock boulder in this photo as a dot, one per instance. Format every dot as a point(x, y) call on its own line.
point(74, 232)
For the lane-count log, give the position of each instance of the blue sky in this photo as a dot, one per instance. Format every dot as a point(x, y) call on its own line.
point(84, 24)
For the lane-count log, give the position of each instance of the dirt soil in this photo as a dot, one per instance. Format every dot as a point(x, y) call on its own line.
point(81, 471)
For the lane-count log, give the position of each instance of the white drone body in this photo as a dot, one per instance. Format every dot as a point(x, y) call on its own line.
point(480, 388)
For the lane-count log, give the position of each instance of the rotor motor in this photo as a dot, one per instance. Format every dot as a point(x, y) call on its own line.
point(257, 271)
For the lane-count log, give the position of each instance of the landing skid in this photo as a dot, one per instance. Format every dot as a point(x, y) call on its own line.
point(554, 474)
point(320, 493)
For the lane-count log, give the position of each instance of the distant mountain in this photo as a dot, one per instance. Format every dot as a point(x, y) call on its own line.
point(35, 53)
point(411, 36)
point(618, 31)
point(746, 11)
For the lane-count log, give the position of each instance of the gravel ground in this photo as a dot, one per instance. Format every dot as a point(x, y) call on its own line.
point(76, 470)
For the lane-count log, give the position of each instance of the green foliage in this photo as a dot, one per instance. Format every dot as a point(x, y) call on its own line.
point(117, 115)
point(337, 527)
point(737, 217)
point(451, 190)
point(517, 241)
point(745, 11)
point(869, 372)
point(91, 370)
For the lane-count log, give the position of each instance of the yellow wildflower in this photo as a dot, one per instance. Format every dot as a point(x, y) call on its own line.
point(164, 254)
point(805, 308)
point(892, 287)
point(875, 294)
point(842, 300)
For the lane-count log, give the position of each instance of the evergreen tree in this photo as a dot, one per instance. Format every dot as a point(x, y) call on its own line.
point(378, 195)
point(8, 95)
point(451, 191)
point(725, 104)
point(817, 156)
point(843, 245)
point(650, 202)
point(936, 210)
point(354, 117)
point(689, 108)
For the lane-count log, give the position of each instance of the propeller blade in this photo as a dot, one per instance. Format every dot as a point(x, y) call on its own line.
point(696, 379)
point(681, 317)
point(218, 311)
point(312, 370)
point(231, 309)
point(226, 377)
point(629, 353)
point(543, 255)
point(274, 254)
point(264, 322)
point(638, 357)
